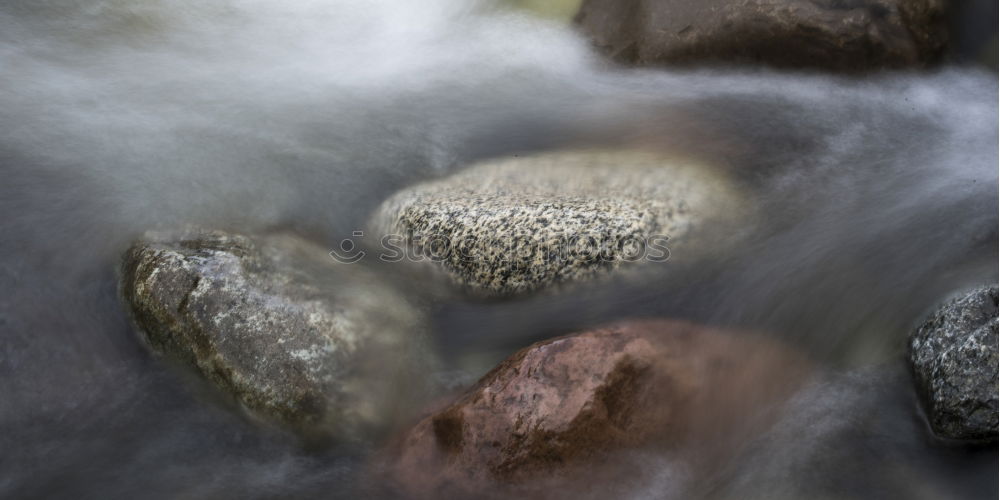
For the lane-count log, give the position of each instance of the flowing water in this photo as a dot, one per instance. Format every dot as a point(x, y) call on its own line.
point(879, 198)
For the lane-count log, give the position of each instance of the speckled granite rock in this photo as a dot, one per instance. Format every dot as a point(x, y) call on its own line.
point(296, 338)
point(541, 419)
point(515, 225)
point(852, 35)
point(954, 359)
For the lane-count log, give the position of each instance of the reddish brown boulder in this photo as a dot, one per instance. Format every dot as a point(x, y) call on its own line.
point(552, 411)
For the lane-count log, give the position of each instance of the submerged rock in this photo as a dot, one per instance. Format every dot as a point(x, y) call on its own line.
point(837, 35)
point(954, 360)
point(273, 321)
point(558, 410)
point(857, 427)
point(516, 225)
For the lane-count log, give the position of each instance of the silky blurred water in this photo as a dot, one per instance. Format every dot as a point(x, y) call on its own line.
point(879, 198)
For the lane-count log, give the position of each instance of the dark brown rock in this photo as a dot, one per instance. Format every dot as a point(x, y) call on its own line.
point(558, 411)
point(839, 35)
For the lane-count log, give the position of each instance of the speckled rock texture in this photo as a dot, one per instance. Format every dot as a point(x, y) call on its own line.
point(557, 412)
point(275, 322)
point(515, 225)
point(954, 360)
point(838, 35)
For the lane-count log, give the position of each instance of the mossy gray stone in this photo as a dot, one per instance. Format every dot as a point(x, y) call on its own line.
point(515, 225)
point(954, 359)
point(296, 338)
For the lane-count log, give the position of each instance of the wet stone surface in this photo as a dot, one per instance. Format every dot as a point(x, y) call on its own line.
point(954, 359)
point(556, 415)
point(295, 338)
point(845, 36)
point(516, 225)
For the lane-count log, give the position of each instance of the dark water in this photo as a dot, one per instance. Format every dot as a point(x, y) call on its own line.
point(879, 198)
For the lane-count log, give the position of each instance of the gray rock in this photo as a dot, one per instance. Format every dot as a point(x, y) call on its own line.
point(954, 359)
point(857, 428)
point(295, 337)
point(516, 225)
point(839, 35)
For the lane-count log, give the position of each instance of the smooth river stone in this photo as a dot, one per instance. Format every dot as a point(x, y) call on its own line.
point(273, 321)
point(514, 225)
point(568, 417)
point(837, 35)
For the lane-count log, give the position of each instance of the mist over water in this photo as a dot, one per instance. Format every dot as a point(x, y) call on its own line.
point(877, 197)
